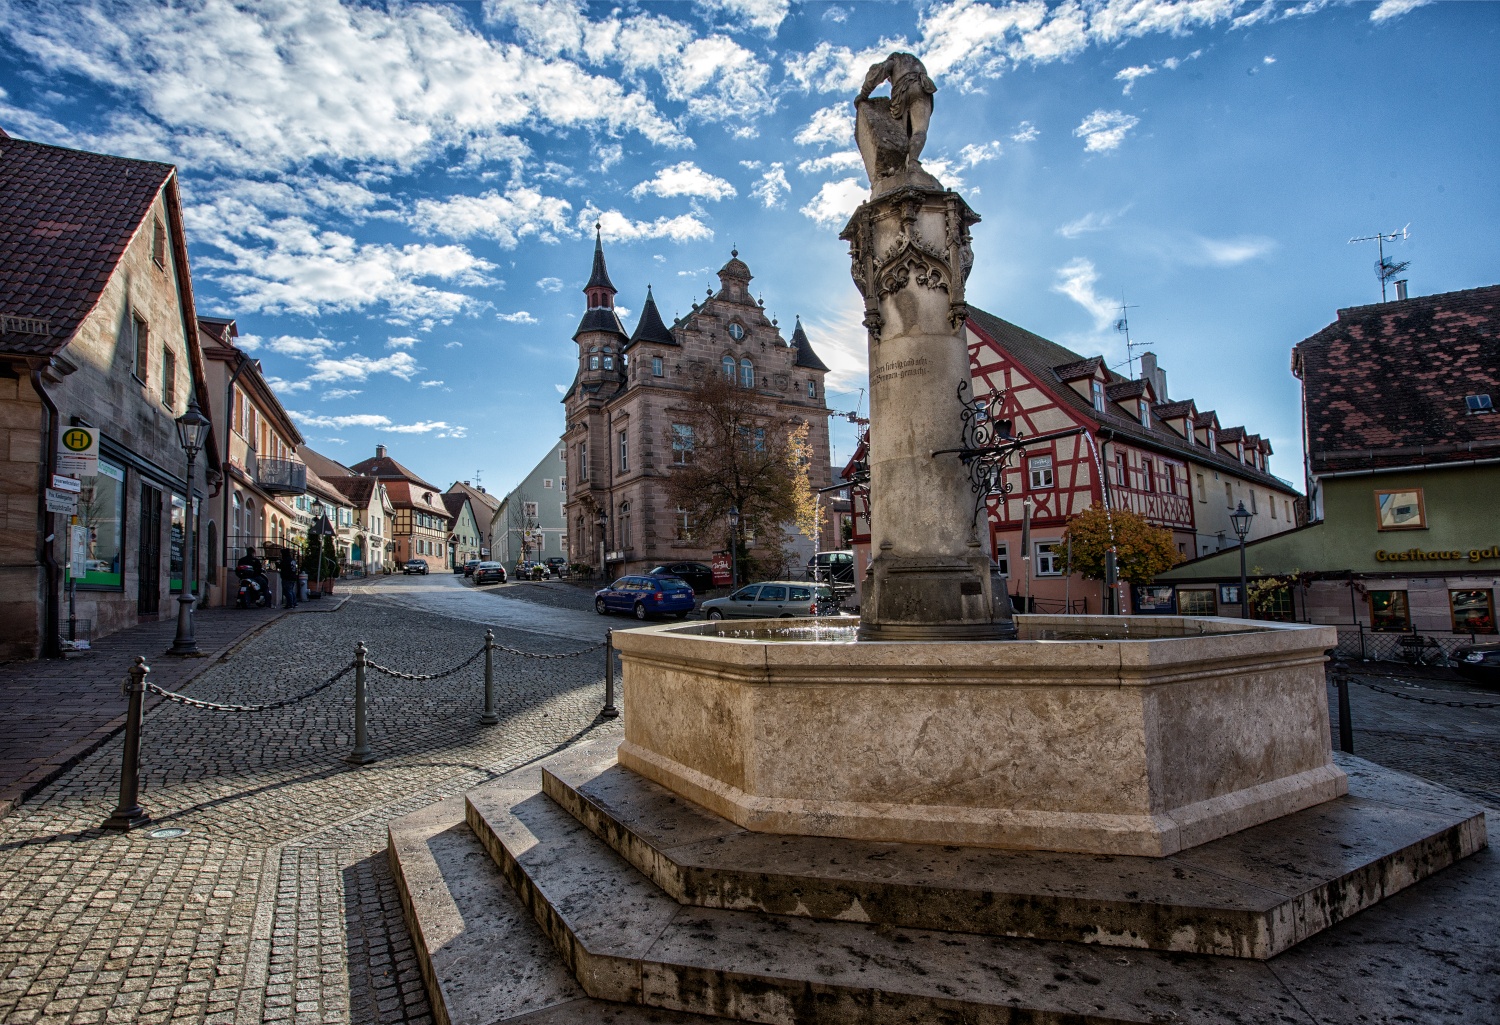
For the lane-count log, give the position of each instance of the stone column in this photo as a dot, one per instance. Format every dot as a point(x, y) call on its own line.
point(930, 576)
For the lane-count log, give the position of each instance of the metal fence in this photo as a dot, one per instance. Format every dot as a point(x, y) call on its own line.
point(1412, 647)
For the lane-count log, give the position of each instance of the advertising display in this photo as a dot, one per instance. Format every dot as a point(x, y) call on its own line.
point(101, 511)
point(1155, 599)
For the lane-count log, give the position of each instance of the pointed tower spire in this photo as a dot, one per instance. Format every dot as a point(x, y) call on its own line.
point(600, 314)
point(650, 327)
point(805, 355)
point(599, 279)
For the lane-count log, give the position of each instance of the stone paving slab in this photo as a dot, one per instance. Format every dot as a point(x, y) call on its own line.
point(57, 711)
point(1252, 894)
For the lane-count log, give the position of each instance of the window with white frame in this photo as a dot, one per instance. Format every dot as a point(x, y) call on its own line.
point(682, 444)
point(747, 374)
point(529, 510)
point(812, 389)
point(1049, 562)
point(1145, 410)
point(1002, 557)
point(624, 451)
point(727, 365)
point(583, 460)
point(1188, 427)
point(1040, 468)
point(1096, 389)
point(684, 523)
point(657, 369)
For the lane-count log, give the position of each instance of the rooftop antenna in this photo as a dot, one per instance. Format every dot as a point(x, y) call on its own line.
point(1386, 268)
point(477, 481)
point(1123, 325)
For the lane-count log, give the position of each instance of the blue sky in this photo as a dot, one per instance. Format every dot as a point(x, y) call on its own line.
point(396, 202)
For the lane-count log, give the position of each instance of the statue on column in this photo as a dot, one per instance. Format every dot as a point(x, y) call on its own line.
point(891, 132)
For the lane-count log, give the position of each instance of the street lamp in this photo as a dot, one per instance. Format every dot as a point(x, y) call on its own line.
point(320, 527)
point(1241, 518)
point(603, 564)
point(734, 547)
point(192, 432)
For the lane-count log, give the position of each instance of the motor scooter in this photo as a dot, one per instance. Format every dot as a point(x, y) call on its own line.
point(255, 589)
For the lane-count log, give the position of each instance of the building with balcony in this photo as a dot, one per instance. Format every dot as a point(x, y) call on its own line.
point(263, 475)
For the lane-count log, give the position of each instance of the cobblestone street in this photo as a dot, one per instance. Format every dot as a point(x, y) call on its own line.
point(277, 904)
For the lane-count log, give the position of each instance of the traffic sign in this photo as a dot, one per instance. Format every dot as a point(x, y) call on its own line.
point(62, 502)
point(80, 452)
point(62, 483)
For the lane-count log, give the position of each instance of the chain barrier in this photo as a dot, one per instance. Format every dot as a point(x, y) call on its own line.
point(1424, 701)
point(544, 655)
point(420, 677)
point(183, 699)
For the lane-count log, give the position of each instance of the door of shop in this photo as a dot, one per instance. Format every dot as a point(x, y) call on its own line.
point(148, 568)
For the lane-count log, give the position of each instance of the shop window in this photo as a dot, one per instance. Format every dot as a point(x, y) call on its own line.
point(1277, 604)
point(1473, 611)
point(1040, 468)
point(1049, 561)
point(1388, 612)
point(1401, 510)
point(1199, 602)
point(101, 509)
point(1002, 557)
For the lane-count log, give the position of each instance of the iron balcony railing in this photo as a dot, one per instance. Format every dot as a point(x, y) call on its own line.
point(280, 476)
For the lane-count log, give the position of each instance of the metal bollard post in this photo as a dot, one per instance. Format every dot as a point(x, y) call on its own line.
point(609, 711)
point(129, 814)
point(489, 718)
point(1346, 723)
point(361, 755)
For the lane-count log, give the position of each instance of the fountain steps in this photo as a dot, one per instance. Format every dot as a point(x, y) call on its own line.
point(623, 949)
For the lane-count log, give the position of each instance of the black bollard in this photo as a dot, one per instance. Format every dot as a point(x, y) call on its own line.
point(129, 814)
point(1346, 722)
point(361, 755)
point(489, 718)
point(609, 711)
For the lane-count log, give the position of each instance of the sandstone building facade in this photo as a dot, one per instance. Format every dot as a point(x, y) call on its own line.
point(623, 432)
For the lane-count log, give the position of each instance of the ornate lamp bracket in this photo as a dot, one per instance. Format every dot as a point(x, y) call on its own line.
point(989, 447)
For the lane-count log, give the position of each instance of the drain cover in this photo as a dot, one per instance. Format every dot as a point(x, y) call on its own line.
point(167, 833)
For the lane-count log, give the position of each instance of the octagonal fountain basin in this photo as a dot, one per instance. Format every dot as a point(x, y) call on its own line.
point(1108, 735)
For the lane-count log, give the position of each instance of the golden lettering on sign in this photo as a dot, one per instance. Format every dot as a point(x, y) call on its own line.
point(1452, 555)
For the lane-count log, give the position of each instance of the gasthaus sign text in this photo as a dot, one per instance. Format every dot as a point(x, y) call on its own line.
point(1440, 555)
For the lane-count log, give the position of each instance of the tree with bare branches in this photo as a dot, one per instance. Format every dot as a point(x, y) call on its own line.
point(732, 451)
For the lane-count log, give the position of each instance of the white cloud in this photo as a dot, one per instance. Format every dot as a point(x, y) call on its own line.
point(508, 217)
point(519, 317)
point(1025, 132)
point(287, 387)
point(299, 348)
point(839, 337)
point(1090, 222)
point(840, 160)
point(1268, 59)
point(550, 284)
point(440, 428)
point(619, 228)
point(973, 153)
point(829, 126)
point(401, 342)
point(432, 384)
point(835, 14)
point(1131, 74)
point(765, 15)
point(340, 393)
point(684, 179)
point(454, 345)
point(1076, 280)
point(835, 201)
point(1388, 9)
point(772, 188)
point(1228, 252)
point(608, 156)
point(359, 368)
point(1104, 130)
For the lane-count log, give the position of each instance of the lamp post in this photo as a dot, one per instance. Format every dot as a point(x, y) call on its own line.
point(1241, 518)
point(192, 432)
point(603, 564)
point(321, 526)
point(734, 547)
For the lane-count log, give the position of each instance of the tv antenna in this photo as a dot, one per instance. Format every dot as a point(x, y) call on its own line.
point(1386, 268)
point(1123, 325)
point(476, 478)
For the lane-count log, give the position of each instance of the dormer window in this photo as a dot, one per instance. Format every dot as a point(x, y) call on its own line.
point(1145, 411)
point(1479, 403)
point(1096, 388)
point(1239, 451)
point(1188, 425)
point(1211, 439)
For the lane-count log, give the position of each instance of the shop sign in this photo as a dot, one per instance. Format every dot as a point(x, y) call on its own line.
point(80, 452)
point(720, 566)
point(1452, 555)
point(1155, 600)
point(65, 502)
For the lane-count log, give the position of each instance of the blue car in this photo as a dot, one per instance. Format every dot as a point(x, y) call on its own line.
point(645, 597)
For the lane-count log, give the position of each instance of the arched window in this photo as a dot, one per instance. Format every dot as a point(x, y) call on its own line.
point(237, 521)
point(747, 374)
point(729, 368)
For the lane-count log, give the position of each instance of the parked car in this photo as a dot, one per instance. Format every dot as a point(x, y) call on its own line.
point(832, 568)
point(646, 596)
point(489, 573)
point(699, 577)
point(415, 566)
point(774, 599)
point(558, 565)
point(469, 567)
point(1477, 662)
point(529, 570)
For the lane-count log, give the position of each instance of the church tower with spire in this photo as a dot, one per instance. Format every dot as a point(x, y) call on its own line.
point(621, 439)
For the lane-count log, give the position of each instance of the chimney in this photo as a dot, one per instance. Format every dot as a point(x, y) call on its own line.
point(466, 483)
point(1155, 374)
point(1401, 290)
point(379, 451)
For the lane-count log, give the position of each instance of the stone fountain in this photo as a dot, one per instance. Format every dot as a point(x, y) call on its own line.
point(965, 798)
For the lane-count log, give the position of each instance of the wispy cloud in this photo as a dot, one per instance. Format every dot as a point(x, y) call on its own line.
point(1025, 132)
point(359, 368)
point(378, 421)
point(432, 384)
point(400, 342)
point(830, 126)
point(1227, 252)
point(333, 394)
point(550, 284)
point(1130, 75)
point(1090, 222)
point(1104, 130)
point(1388, 9)
point(772, 188)
point(835, 201)
point(1076, 280)
point(518, 317)
point(684, 179)
point(839, 160)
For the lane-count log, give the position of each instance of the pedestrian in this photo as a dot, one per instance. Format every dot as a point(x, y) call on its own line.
point(289, 570)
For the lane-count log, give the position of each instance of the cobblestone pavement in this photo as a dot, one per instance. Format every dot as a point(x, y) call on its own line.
point(1457, 747)
point(56, 711)
point(448, 595)
point(277, 904)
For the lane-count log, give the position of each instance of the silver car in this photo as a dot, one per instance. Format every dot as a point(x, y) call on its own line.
point(774, 599)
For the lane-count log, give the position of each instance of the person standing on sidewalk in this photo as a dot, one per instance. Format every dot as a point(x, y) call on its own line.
point(289, 570)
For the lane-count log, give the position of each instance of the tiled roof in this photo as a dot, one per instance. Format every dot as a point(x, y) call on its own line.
point(600, 276)
point(1208, 418)
point(1125, 389)
point(806, 357)
point(1232, 434)
point(480, 498)
point(387, 469)
point(650, 327)
point(1040, 355)
point(358, 490)
point(454, 502)
point(1385, 385)
point(600, 319)
point(66, 217)
point(1173, 410)
point(321, 464)
point(1081, 368)
point(405, 493)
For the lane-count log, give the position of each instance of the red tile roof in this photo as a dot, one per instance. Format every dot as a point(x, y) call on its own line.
point(66, 217)
point(1385, 385)
point(387, 469)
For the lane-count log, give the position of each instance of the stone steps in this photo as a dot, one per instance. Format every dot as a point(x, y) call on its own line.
point(1253, 894)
